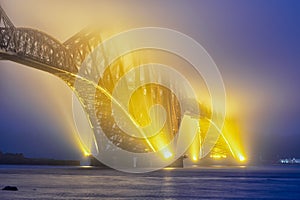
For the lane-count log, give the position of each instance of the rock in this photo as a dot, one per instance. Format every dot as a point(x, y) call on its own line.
point(10, 188)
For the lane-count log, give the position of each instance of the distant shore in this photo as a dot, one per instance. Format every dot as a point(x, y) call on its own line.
point(20, 159)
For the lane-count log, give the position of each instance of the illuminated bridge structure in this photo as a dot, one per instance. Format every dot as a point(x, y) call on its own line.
point(39, 50)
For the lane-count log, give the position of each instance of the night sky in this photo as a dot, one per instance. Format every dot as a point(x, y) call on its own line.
point(255, 44)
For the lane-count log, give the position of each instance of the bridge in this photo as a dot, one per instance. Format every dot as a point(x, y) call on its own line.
point(41, 51)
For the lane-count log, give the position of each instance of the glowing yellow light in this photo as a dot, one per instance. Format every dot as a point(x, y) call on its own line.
point(85, 153)
point(195, 158)
point(84, 150)
point(169, 168)
point(167, 154)
point(242, 158)
point(194, 149)
point(218, 156)
point(231, 132)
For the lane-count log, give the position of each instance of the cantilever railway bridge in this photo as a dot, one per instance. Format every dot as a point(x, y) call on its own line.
point(41, 51)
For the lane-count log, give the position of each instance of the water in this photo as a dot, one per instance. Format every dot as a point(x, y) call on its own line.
point(274, 182)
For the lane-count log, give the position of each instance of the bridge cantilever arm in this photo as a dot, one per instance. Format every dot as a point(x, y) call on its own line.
point(4, 19)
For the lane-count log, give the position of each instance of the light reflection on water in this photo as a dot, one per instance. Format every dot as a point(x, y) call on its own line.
point(193, 183)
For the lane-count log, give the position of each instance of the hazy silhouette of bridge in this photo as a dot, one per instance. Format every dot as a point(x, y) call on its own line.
point(41, 51)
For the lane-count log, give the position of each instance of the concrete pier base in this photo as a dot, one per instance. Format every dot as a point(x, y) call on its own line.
point(96, 163)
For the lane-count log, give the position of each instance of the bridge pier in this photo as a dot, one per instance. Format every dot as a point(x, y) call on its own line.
point(96, 163)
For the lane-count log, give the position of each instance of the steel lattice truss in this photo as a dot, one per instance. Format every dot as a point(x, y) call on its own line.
point(41, 51)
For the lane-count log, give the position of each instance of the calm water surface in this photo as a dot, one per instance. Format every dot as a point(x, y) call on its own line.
point(274, 182)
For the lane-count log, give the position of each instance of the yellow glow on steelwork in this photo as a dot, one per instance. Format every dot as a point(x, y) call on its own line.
point(141, 102)
point(86, 152)
point(152, 131)
point(232, 133)
point(228, 144)
point(223, 136)
point(194, 149)
point(151, 94)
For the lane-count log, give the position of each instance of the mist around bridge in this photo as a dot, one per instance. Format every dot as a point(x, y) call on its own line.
point(254, 45)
